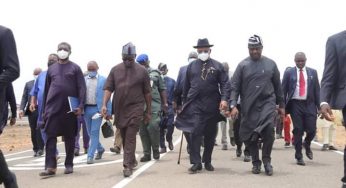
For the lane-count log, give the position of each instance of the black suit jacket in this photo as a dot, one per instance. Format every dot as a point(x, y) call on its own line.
point(289, 84)
point(333, 90)
point(25, 102)
point(9, 64)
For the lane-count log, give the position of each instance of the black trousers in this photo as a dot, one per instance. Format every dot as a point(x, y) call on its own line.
point(344, 116)
point(303, 121)
point(208, 132)
point(237, 139)
point(36, 137)
point(267, 137)
point(51, 151)
point(5, 174)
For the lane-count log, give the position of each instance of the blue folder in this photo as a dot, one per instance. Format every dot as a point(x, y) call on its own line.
point(73, 103)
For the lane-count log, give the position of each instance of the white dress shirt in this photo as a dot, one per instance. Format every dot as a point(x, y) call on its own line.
point(296, 92)
point(91, 85)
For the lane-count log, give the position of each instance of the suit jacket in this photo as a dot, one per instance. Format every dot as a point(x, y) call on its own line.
point(289, 84)
point(25, 102)
point(100, 93)
point(9, 64)
point(333, 90)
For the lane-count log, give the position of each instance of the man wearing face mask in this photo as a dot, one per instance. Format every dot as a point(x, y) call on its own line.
point(36, 94)
point(178, 92)
point(36, 137)
point(150, 132)
point(205, 94)
point(130, 83)
point(257, 82)
point(64, 79)
point(93, 110)
point(166, 123)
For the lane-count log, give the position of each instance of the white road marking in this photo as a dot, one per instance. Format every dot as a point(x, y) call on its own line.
point(319, 144)
point(143, 168)
point(18, 158)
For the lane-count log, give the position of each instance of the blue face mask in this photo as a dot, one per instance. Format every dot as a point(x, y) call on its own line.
point(92, 74)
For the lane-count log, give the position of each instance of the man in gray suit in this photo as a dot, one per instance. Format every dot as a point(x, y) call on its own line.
point(333, 84)
point(9, 71)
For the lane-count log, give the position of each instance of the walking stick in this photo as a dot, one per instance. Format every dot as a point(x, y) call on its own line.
point(181, 145)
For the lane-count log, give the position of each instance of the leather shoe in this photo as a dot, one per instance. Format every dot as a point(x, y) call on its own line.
point(247, 158)
point(145, 158)
point(170, 145)
point(40, 152)
point(324, 147)
point(163, 150)
point(224, 147)
point(116, 150)
point(238, 152)
point(156, 155)
point(195, 168)
point(99, 154)
point(300, 162)
point(268, 169)
point(332, 148)
point(68, 170)
point(209, 167)
point(256, 169)
point(127, 172)
point(76, 152)
point(48, 173)
point(232, 141)
point(308, 151)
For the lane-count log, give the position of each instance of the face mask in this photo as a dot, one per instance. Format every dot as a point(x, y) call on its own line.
point(191, 60)
point(63, 54)
point(203, 56)
point(92, 74)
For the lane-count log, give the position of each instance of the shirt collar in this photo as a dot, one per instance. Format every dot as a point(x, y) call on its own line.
point(304, 68)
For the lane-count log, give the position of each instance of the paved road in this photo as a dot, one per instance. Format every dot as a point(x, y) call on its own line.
point(324, 171)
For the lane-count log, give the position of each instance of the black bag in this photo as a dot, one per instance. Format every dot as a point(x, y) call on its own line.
point(107, 129)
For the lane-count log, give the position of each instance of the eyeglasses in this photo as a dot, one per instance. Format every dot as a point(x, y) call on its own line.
point(203, 51)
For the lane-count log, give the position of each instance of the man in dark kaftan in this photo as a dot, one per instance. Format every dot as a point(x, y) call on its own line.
point(205, 92)
point(257, 81)
point(130, 83)
point(64, 79)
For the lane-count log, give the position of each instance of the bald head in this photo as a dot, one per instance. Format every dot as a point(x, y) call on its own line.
point(300, 59)
point(93, 66)
point(37, 71)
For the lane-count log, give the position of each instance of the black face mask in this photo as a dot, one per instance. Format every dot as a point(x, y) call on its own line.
point(51, 63)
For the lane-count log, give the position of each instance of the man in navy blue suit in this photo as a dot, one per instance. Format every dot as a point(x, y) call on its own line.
point(302, 97)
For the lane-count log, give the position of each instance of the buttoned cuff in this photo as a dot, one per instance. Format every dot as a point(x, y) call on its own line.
point(323, 103)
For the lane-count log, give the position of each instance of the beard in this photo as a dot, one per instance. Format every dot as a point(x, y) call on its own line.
point(128, 63)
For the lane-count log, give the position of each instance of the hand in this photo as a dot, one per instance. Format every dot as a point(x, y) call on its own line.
point(178, 110)
point(104, 111)
point(282, 113)
point(234, 113)
point(147, 118)
point(227, 114)
point(223, 106)
point(32, 107)
point(12, 121)
point(78, 111)
point(21, 114)
point(165, 108)
point(327, 112)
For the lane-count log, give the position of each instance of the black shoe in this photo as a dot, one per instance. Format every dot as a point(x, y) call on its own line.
point(287, 145)
point(332, 148)
point(145, 158)
point(256, 169)
point(170, 145)
point(195, 168)
point(232, 141)
point(76, 152)
point(68, 170)
point(238, 152)
point(268, 169)
point(85, 150)
point(156, 155)
point(40, 152)
point(48, 173)
point(116, 150)
point(247, 158)
point(12, 183)
point(324, 147)
point(127, 172)
point(99, 155)
point(300, 162)
point(163, 150)
point(224, 147)
point(308, 151)
point(209, 167)
point(35, 154)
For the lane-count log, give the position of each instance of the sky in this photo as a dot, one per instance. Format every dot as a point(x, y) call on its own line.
point(167, 30)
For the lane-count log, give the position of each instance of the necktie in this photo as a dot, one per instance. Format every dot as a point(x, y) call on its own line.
point(301, 83)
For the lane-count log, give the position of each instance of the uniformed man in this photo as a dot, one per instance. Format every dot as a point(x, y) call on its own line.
point(150, 132)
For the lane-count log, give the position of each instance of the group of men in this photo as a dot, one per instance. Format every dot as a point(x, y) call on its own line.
point(145, 100)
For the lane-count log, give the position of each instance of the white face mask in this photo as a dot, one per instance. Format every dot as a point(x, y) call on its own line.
point(35, 77)
point(63, 54)
point(203, 56)
point(191, 60)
